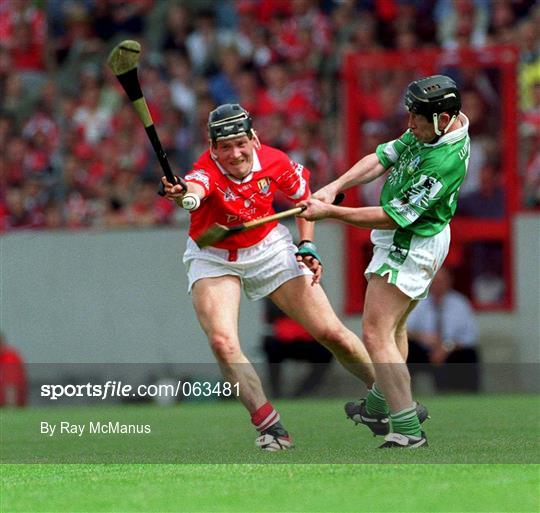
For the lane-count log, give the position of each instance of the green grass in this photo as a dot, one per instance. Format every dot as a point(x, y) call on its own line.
point(484, 442)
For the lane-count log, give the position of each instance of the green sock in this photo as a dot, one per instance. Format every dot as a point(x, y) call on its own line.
point(375, 401)
point(406, 422)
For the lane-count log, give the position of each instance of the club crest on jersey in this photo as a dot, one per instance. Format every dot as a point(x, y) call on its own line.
point(264, 185)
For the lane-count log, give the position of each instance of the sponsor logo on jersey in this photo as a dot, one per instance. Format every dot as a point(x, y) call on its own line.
point(264, 185)
point(425, 189)
point(199, 175)
point(405, 210)
point(247, 213)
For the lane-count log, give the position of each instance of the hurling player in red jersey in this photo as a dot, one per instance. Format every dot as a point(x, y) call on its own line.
point(236, 180)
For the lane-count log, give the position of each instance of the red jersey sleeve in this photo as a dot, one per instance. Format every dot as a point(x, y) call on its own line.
point(201, 177)
point(294, 181)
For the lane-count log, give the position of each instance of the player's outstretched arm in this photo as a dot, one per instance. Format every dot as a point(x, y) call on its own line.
point(365, 170)
point(363, 217)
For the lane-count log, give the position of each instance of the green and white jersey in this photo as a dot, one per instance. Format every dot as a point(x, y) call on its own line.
point(420, 193)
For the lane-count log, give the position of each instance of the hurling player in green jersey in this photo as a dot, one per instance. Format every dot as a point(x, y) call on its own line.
point(411, 236)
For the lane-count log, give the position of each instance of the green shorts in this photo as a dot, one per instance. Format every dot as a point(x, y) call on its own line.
point(410, 266)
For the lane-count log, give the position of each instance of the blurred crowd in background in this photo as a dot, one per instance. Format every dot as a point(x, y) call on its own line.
point(74, 154)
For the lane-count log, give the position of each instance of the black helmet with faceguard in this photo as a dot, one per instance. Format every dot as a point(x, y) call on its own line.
point(432, 96)
point(229, 120)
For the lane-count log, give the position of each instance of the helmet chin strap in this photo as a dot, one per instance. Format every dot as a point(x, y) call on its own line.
point(436, 124)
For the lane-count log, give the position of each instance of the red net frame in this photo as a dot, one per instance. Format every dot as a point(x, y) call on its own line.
point(358, 247)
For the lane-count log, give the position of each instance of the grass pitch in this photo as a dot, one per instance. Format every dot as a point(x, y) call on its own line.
point(483, 457)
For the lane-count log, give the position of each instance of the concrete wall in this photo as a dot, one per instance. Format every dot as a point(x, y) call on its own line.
point(120, 296)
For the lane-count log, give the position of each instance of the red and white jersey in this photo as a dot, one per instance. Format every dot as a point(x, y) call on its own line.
point(231, 201)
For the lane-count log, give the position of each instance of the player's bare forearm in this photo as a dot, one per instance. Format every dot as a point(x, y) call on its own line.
point(364, 171)
point(306, 229)
point(363, 217)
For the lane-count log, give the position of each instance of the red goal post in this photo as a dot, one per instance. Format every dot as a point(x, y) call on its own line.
point(362, 73)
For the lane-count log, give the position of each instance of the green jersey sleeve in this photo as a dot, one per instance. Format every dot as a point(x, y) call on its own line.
point(389, 153)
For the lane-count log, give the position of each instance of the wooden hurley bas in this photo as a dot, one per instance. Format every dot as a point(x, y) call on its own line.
point(218, 232)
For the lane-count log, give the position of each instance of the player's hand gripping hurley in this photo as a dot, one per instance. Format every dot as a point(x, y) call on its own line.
point(123, 61)
point(218, 232)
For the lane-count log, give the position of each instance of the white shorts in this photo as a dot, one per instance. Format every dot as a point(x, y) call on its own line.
point(412, 270)
point(262, 268)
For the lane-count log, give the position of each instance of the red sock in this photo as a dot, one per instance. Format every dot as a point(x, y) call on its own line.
point(264, 417)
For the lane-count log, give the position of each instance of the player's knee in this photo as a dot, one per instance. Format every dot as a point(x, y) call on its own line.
point(372, 336)
point(224, 347)
point(336, 338)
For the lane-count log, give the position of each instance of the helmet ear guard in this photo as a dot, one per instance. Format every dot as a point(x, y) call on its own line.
point(229, 120)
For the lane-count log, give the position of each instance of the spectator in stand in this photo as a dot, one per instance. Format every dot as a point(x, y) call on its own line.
point(502, 22)
point(147, 208)
point(246, 85)
point(278, 133)
point(13, 381)
point(308, 148)
point(23, 31)
point(53, 215)
point(181, 84)
point(486, 258)
point(442, 333)
point(280, 94)
point(483, 144)
point(91, 118)
point(288, 340)
point(364, 37)
point(306, 34)
point(15, 100)
point(113, 17)
point(222, 84)
point(487, 202)
point(74, 41)
point(202, 42)
point(17, 214)
point(462, 24)
point(177, 29)
point(15, 160)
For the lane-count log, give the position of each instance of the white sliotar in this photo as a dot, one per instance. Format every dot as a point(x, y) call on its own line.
point(191, 201)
